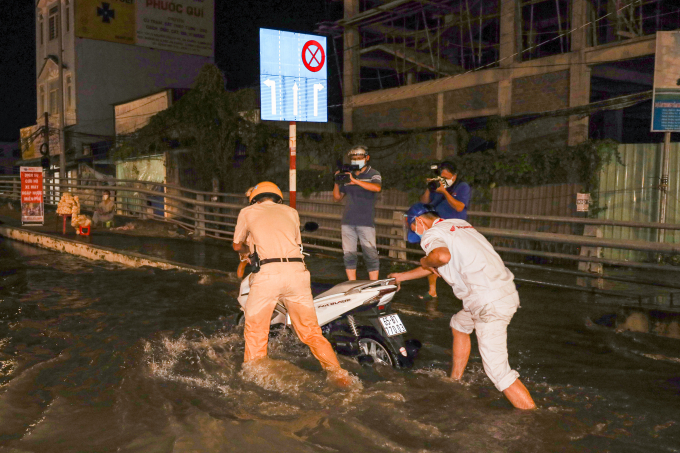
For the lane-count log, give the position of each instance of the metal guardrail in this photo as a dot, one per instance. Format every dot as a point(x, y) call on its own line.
point(211, 214)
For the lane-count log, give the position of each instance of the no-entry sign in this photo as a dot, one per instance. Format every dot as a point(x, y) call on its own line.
point(293, 76)
point(313, 56)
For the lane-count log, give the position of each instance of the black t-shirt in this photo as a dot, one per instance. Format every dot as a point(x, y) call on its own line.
point(360, 205)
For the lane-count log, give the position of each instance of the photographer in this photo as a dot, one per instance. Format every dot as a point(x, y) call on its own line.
point(360, 183)
point(450, 197)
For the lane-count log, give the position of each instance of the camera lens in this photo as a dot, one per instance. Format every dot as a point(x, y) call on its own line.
point(433, 185)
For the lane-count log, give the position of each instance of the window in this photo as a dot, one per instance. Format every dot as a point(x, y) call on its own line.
point(41, 100)
point(68, 22)
point(54, 23)
point(42, 29)
point(54, 101)
point(69, 92)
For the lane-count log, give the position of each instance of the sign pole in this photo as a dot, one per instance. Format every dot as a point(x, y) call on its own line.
point(292, 139)
point(664, 182)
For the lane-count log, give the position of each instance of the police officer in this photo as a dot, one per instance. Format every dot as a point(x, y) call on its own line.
point(478, 277)
point(273, 230)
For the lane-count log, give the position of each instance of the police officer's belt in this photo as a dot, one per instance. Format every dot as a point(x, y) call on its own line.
point(281, 260)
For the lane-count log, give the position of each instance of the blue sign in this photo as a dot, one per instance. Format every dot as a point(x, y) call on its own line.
point(293, 76)
point(666, 110)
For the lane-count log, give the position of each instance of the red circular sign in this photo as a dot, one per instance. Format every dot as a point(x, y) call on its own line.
point(313, 56)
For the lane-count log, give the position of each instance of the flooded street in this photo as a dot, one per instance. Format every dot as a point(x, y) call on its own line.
point(96, 357)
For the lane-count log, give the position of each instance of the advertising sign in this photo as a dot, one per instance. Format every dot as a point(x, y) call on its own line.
point(32, 205)
point(666, 100)
point(582, 202)
point(185, 26)
point(293, 76)
point(33, 139)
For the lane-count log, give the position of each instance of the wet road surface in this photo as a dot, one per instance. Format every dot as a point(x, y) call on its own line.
point(96, 357)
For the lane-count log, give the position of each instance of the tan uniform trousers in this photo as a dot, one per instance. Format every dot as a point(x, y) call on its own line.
point(290, 284)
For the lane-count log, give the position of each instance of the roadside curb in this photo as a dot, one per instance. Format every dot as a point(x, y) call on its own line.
point(97, 252)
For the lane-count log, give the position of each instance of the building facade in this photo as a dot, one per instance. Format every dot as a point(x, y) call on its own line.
point(110, 52)
point(417, 65)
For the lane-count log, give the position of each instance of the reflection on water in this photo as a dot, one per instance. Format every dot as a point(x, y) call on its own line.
point(95, 357)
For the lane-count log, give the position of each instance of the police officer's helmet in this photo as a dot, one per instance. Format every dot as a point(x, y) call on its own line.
point(265, 189)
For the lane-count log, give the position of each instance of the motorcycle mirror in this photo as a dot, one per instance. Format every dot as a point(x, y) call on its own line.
point(310, 227)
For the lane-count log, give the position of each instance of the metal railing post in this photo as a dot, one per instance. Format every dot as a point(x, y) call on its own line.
point(199, 231)
point(397, 216)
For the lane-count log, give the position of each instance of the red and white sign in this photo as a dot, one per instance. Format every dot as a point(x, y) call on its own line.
point(313, 56)
point(32, 205)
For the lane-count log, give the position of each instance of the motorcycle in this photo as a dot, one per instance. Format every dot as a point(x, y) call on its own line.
point(357, 319)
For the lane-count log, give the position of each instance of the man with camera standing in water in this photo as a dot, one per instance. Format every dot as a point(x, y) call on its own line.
point(450, 197)
point(361, 184)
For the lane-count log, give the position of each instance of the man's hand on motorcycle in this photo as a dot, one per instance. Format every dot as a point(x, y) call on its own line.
point(397, 282)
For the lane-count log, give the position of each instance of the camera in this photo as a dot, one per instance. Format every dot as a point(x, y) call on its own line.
point(433, 183)
point(343, 176)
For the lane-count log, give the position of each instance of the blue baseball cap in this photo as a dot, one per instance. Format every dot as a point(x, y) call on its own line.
point(414, 211)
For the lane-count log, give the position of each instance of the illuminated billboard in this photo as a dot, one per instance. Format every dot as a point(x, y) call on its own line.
point(293, 76)
point(185, 26)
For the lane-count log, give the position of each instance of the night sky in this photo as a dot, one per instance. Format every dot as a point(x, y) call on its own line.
point(237, 24)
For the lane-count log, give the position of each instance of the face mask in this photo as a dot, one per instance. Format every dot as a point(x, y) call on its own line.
point(449, 182)
point(420, 235)
point(105, 197)
point(360, 163)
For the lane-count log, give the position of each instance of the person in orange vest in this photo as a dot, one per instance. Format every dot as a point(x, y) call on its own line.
point(273, 230)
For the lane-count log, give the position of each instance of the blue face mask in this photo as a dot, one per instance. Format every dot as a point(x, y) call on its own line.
point(360, 163)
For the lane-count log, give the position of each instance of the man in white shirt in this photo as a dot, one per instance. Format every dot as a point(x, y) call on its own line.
point(469, 264)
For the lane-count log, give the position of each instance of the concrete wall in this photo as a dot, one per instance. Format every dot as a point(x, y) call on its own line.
point(540, 93)
point(111, 73)
point(405, 114)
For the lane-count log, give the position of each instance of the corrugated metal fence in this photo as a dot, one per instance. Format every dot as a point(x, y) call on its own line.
point(631, 192)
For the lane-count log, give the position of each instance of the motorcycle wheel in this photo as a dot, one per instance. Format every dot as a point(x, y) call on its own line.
point(380, 353)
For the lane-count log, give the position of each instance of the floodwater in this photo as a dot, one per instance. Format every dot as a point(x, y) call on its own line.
point(96, 358)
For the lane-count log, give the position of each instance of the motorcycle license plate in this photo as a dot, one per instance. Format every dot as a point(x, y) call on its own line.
point(392, 325)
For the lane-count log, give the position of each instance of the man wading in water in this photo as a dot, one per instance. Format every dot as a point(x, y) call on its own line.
point(273, 229)
point(469, 264)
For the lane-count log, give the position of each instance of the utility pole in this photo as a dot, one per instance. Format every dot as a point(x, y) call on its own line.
point(46, 144)
point(46, 135)
point(62, 110)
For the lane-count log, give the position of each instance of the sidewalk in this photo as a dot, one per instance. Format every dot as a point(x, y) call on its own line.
point(208, 254)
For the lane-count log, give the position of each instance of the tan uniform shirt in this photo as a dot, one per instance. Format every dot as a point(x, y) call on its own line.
point(274, 229)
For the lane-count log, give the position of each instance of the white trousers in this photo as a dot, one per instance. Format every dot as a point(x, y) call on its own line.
point(490, 322)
